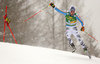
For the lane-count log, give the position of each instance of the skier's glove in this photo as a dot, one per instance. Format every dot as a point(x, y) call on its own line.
point(82, 29)
point(51, 4)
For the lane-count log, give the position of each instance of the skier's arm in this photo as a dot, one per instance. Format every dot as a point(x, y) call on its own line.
point(77, 17)
point(82, 28)
point(64, 13)
point(51, 4)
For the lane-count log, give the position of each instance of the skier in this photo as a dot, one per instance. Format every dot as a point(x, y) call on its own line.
point(71, 19)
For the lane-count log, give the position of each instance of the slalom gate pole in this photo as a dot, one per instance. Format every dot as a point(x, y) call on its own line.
point(6, 10)
point(91, 36)
point(4, 24)
point(36, 13)
point(11, 33)
point(4, 32)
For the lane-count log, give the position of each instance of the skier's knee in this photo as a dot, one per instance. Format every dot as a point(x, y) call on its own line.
point(78, 36)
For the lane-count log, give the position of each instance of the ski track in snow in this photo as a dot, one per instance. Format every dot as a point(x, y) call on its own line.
point(23, 54)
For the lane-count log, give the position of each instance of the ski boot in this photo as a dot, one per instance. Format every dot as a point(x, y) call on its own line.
point(87, 52)
point(85, 49)
point(73, 46)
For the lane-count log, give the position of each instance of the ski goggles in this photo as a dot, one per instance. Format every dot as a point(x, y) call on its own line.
point(72, 11)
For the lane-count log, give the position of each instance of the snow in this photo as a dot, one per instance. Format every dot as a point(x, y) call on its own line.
point(23, 54)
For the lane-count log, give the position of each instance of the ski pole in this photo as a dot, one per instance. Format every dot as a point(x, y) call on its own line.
point(91, 36)
point(36, 13)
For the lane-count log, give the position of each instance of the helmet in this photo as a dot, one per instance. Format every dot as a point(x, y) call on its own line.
point(72, 9)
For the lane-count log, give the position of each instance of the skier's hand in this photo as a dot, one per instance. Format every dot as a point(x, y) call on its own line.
point(51, 4)
point(82, 29)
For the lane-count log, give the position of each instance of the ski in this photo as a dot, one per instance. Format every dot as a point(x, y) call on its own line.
point(87, 52)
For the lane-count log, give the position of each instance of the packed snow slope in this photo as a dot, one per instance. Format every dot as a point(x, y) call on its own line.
point(22, 54)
